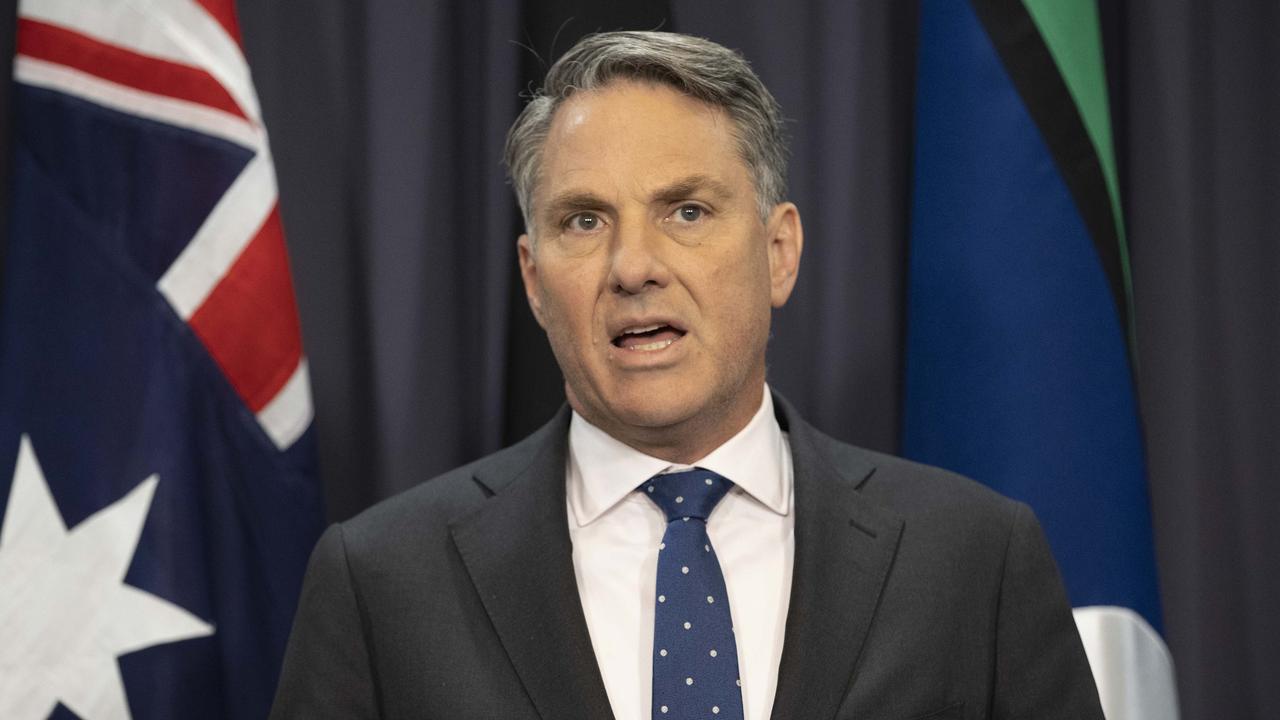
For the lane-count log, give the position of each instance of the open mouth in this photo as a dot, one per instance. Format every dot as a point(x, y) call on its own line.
point(647, 338)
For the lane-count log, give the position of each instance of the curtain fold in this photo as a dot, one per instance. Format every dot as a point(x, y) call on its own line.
point(1203, 174)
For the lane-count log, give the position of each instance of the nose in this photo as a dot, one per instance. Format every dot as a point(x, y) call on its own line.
point(636, 262)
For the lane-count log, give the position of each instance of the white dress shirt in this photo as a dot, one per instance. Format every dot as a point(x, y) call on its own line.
point(615, 533)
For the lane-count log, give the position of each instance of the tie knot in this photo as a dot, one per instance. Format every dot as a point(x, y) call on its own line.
point(687, 494)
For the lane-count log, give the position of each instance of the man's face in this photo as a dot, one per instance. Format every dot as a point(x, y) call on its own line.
point(651, 270)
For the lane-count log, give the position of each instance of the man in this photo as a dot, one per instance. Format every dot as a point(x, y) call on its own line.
point(678, 542)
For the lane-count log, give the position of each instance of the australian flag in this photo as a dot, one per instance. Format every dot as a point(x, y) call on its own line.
point(155, 407)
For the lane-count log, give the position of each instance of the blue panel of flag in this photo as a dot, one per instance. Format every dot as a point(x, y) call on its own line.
point(1017, 372)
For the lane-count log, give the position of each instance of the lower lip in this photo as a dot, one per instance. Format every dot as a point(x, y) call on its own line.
point(647, 354)
point(652, 347)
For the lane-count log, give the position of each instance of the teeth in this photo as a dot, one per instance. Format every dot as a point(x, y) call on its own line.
point(653, 345)
point(638, 330)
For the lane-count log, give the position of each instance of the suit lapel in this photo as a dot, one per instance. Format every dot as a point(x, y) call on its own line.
point(845, 545)
point(517, 551)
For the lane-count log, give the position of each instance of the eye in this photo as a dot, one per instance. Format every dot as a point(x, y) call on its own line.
point(690, 213)
point(584, 222)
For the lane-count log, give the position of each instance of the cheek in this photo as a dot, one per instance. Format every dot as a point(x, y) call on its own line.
point(738, 290)
point(569, 302)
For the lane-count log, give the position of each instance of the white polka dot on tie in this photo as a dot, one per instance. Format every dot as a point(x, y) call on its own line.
point(707, 548)
point(662, 546)
point(663, 652)
point(685, 519)
point(739, 682)
point(708, 481)
point(687, 625)
point(713, 653)
point(679, 498)
point(662, 598)
point(688, 681)
point(650, 488)
point(663, 709)
point(710, 599)
point(715, 709)
point(684, 569)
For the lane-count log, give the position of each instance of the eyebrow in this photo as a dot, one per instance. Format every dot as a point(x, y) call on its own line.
point(691, 185)
point(576, 200)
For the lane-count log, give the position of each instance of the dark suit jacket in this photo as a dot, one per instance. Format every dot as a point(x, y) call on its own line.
point(915, 594)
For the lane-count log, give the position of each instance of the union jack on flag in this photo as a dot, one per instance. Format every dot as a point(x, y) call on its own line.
point(155, 405)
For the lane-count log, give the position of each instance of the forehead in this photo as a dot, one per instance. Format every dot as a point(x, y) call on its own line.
point(629, 137)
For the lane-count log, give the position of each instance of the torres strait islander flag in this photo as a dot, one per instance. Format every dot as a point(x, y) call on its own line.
point(155, 409)
point(1019, 320)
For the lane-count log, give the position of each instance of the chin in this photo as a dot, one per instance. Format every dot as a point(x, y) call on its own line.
point(653, 410)
point(652, 407)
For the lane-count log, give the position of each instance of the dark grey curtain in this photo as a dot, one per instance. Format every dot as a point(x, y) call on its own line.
point(387, 120)
point(1201, 157)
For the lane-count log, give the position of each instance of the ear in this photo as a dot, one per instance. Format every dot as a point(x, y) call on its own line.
point(786, 242)
point(529, 274)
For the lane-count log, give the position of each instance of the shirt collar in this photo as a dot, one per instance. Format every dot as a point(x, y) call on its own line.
point(604, 470)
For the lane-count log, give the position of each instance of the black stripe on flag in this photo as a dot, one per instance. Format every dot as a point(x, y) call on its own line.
point(1035, 74)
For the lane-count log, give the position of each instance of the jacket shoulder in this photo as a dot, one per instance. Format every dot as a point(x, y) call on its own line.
point(907, 484)
point(426, 510)
point(925, 496)
point(906, 488)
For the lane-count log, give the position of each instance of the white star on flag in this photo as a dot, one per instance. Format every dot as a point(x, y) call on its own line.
point(65, 612)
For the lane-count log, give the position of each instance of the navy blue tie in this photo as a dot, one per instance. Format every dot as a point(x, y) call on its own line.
point(695, 658)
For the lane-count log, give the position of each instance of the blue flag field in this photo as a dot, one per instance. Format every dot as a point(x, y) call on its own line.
point(1018, 369)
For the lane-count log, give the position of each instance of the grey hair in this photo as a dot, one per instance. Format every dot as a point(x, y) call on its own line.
point(696, 67)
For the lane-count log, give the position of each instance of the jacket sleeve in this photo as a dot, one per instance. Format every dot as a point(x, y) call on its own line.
point(327, 669)
point(1041, 671)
